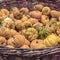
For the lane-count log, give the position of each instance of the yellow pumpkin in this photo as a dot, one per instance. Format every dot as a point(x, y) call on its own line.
point(51, 40)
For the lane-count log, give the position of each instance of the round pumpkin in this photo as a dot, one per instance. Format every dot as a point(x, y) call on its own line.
point(44, 19)
point(24, 10)
point(37, 44)
point(2, 41)
point(7, 33)
point(24, 18)
point(11, 42)
point(54, 13)
point(26, 24)
point(51, 40)
point(16, 41)
point(18, 24)
point(5, 13)
point(33, 20)
point(46, 10)
point(38, 7)
point(35, 14)
point(9, 23)
point(30, 33)
point(14, 32)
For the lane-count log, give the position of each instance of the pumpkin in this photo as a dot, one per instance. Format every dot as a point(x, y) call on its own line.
point(1, 32)
point(24, 46)
point(2, 41)
point(33, 20)
point(38, 26)
point(27, 42)
point(9, 23)
point(18, 24)
point(26, 24)
point(46, 10)
point(38, 7)
point(11, 42)
point(44, 19)
point(30, 33)
point(7, 32)
point(14, 10)
point(24, 10)
point(54, 13)
point(37, 44)
point(14, 32)
point(35, 14)
point(24, 18)
point(5, 13)
point(16, 41)
point(43, 33)
point(51, 40)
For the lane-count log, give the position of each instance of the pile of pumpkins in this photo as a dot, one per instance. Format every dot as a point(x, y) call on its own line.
point(22, 28)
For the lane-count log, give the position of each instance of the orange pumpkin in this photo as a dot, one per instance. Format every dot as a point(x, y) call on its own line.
point(2, 41)
point(33, 20)
point(16, 41)
point(27, 42)
point(38, 7)
point(14, 32)
point(35, 14)
point(24, 10)
point(24, 46)
point(37, 44)
point(54, 13)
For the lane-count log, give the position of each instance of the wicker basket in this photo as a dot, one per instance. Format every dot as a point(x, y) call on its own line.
point(52, 53)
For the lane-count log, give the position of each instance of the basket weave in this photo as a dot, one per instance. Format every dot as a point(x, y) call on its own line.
point(52, 53)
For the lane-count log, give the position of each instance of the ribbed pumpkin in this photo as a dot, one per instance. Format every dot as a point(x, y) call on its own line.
point(37, 44)
point(2, 41)
point(51, 40)
point(16, 41)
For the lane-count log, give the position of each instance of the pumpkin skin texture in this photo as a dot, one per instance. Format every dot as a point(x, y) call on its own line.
point(2, 41)
point(46, 10)
point(30, 34)
point(27, 42)
point(16, 41)
point(24, 46)
point(38, 7)
point(35, 14)
point(24, 10)
point(51, 40)
point(54, 13)
point(5, 12)
point(33, 20)
point(14, 32)
point(18, 24)
point(11, 42)
point(9, 23)
point(24, 18)
point(37, 44)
